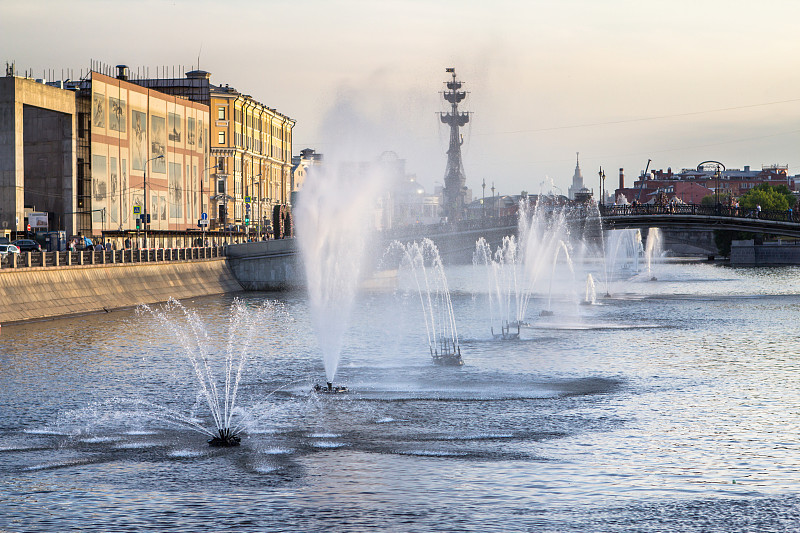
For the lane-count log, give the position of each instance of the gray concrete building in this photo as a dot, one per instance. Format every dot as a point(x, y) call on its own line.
point(37, 147)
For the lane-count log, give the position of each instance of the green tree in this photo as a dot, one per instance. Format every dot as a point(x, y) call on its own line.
point(778, 198)
point(768, 197)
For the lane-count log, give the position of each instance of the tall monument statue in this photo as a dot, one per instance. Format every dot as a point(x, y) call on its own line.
point(454, 179)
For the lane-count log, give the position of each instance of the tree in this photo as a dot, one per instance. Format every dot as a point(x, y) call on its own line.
point(778, 198)
point(768, 197)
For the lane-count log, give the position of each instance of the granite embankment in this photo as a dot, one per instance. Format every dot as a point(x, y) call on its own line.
point(46, 292)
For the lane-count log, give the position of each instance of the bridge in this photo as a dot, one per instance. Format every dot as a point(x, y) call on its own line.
point(274, 265)
point(700, 217)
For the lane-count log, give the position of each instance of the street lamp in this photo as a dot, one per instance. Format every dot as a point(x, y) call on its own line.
point(483, 199)
point(602, 176)
point(145, 194)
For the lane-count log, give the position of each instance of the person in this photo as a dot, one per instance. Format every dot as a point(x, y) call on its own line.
point(127, 242)
point(99, 246)
point(758, 210)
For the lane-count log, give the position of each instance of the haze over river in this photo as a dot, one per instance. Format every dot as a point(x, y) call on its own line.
point(671, 405)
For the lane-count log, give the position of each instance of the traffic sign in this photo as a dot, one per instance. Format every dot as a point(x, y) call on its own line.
point(203, 216)
point(137, 210)
point(247, 199)
point(202, 222)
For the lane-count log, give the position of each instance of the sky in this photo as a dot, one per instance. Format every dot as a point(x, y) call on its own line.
point(622, 82)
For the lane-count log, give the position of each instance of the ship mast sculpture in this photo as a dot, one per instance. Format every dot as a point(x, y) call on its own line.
point(454, 179)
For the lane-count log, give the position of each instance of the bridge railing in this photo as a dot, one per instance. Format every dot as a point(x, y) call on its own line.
point(696, 209)
point(424, 230)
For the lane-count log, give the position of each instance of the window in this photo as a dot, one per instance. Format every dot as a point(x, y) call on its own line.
point(221, 165)
point(222, 137)
point(221, 186)
point(220, 113)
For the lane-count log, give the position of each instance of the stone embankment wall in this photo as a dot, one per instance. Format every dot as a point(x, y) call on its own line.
point(272, 265)
point(748, 253)
point(45, 292)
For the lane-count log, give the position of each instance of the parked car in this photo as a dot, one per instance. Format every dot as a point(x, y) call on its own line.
point(6, 249)
point(27, 245)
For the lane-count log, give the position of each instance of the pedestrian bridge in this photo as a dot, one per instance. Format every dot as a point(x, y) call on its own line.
point(700, 217)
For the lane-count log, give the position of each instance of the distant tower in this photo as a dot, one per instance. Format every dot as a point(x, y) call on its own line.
point(454, 178)
point(577, 178)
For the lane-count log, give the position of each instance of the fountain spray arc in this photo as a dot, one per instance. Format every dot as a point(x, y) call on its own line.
point(454, 178)
point(187, 327)
point(423, 262)
point(334, 224)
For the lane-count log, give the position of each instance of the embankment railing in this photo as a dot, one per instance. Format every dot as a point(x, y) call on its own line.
point(101, 257)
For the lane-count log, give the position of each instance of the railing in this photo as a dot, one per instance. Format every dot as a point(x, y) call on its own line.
point(101, 257)
point(703, 210)
point(424, 230)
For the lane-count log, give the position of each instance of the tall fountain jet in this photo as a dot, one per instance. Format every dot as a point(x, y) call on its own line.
point(454, 178)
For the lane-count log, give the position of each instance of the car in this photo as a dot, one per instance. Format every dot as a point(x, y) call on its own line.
point(6, 249)
point(27, 245)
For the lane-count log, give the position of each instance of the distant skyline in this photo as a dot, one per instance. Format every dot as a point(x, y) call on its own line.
point(620, 82)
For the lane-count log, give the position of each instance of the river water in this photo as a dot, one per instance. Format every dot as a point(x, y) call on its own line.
point(671, 405)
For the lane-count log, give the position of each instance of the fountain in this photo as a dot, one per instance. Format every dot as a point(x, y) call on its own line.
point(186, 326)
point(422, 260)
point(591, 295)
point(653, 249)
point(333, 215)
point(520, 265)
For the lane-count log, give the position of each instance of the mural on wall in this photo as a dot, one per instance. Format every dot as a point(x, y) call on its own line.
point(98, 110)
point(158, 144)
point(138, 198)
point(99, 187)
point(190, 131)
point(153, 210)
point(138, 140)
point(113, 193)
point(175, 127)
point(116, 114)
point(201, 134)
point(162, 200)
point(175, 191)
point(124, 188)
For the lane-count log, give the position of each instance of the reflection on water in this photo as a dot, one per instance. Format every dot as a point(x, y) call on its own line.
point(668, 406)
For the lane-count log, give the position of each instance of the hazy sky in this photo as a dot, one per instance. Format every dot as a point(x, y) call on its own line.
point(619, 81)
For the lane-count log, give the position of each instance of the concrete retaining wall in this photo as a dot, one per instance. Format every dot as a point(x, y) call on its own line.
point(747, 253)
point(35, 293)
point(267, 265)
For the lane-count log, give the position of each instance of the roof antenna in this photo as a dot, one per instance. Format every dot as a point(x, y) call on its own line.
point(198, 55)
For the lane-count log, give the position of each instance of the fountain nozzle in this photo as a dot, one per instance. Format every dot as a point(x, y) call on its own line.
point(227, 439)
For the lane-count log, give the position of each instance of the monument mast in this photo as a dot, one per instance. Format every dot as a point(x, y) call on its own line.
point(454, 178)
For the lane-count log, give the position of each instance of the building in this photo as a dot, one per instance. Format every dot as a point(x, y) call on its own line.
point(692, 185)
point(140, 151)
point(97, 153)
point(300, 164)
point(250, 148)
point(37, 153)
point(577, 180)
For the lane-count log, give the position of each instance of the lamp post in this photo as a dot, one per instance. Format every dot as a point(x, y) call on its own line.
point(602, 176)
point(483, 198)
point(145, 195)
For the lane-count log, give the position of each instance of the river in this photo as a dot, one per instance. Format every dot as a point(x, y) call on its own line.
point(670, 405)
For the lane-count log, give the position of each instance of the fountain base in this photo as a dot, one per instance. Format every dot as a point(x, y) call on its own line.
point(330, 389)
point(448, 359)
point(546, 312)
point(226, 439)
point(505, 331)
